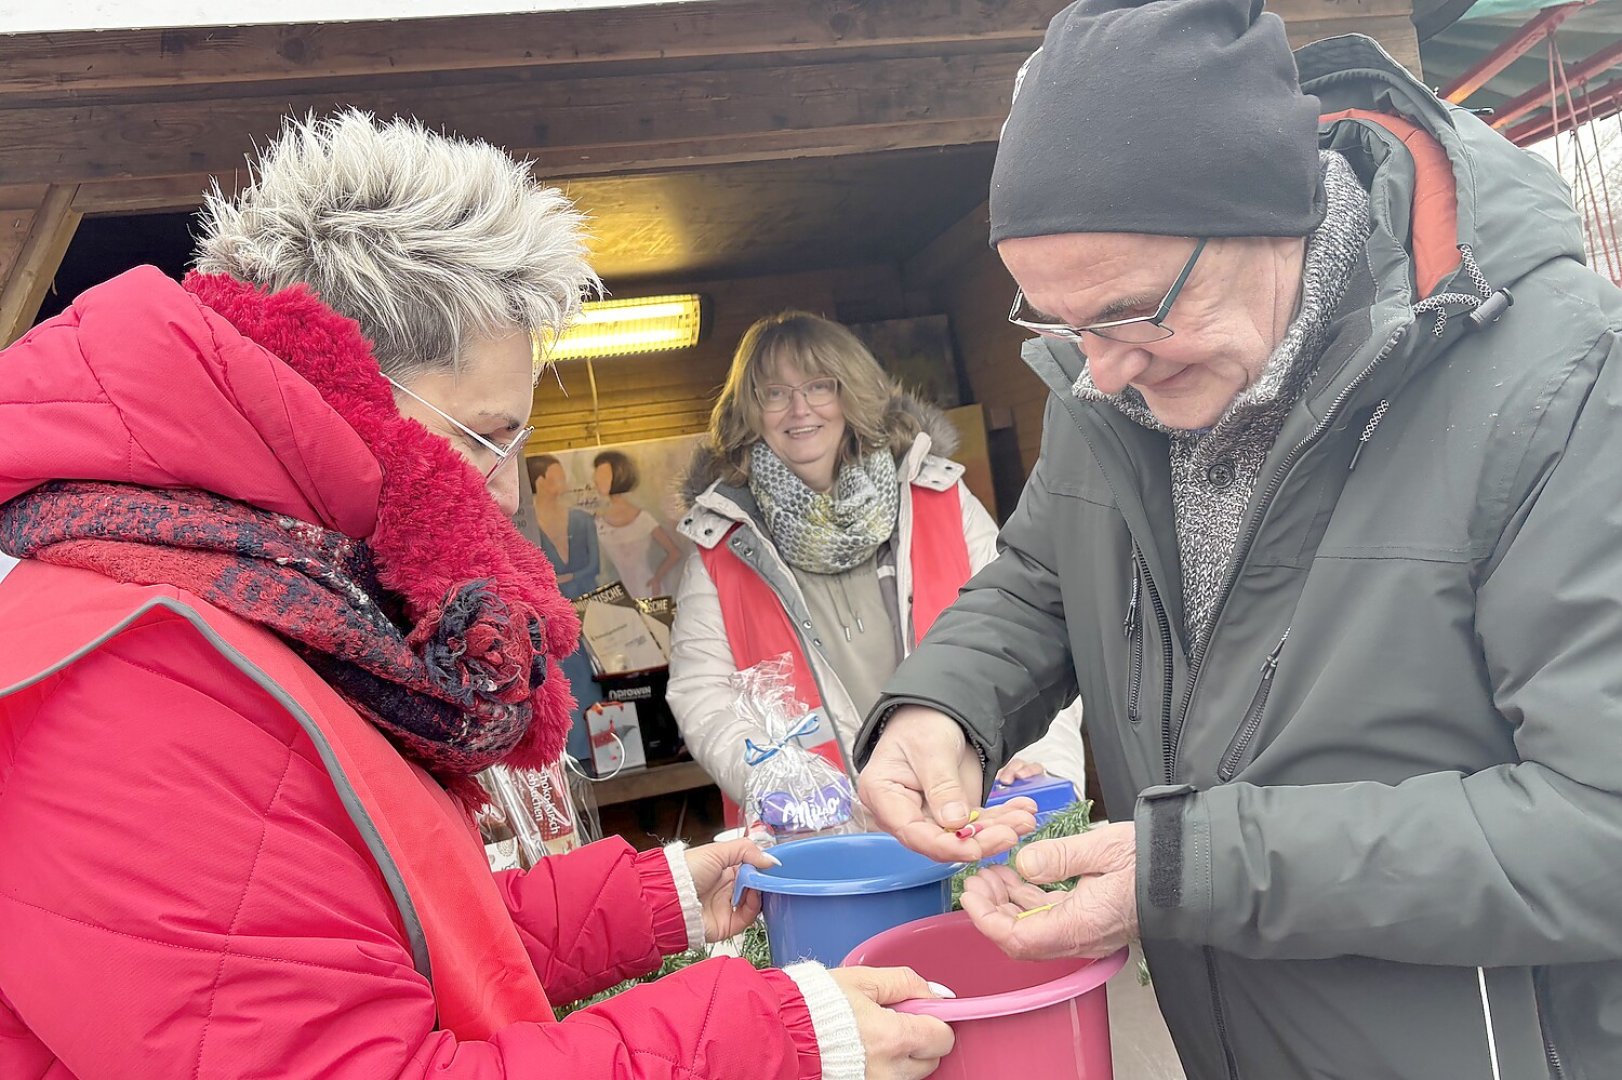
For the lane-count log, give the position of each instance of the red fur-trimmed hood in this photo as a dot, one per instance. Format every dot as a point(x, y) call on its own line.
point(275, 400)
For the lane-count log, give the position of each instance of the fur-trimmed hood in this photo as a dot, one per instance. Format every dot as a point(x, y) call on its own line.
point(705, 467)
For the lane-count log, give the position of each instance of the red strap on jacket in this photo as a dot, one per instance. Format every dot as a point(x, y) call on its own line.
point(940, 555)
point(481, 975)
point(759, 629)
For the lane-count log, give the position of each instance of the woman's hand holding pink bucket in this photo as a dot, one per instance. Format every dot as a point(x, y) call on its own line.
point(1047, 1019)
point(898, 1046)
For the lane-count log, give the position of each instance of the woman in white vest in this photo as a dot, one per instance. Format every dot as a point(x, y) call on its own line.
point(829, 525)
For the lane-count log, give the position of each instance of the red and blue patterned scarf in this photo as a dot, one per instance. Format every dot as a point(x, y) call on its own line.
point(453, 694)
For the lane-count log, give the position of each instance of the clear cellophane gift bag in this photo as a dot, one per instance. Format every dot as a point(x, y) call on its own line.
point(531, 815)
point(791, 791)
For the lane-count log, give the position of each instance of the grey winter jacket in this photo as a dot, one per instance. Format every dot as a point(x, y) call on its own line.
point(1382, 808)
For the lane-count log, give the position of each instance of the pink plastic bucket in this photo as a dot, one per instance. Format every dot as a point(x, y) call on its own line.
point(1046, 1018)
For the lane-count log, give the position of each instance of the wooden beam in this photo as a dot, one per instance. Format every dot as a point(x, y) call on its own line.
point(22, 196)
point(186, 107)
point(216, 55)
point(119, 59)
point(185, 191)
point(569, 127)
point(1346, 12)
point(764, 146)
point(28, 274)
point(1394, 32)
point(155, 195)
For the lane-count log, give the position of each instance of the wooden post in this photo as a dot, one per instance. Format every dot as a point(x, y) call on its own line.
point(32, 243)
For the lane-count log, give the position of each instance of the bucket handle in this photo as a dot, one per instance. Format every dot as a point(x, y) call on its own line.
point(1094, 976)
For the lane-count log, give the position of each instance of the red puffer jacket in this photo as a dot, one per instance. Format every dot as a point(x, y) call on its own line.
point(209, 868)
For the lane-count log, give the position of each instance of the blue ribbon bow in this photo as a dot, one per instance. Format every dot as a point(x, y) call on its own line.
point(754, 754)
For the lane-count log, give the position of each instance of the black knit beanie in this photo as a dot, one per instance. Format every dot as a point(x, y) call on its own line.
point(1172, 117)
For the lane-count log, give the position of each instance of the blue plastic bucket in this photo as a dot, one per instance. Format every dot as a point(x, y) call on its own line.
point(834, 892)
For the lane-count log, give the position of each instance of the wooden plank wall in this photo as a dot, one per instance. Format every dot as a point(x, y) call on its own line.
point(579, 92)
point(989, 346)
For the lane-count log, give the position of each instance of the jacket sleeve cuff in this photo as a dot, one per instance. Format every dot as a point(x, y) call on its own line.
point(1174, 864)
point(692, 909)
point(839, 1044)
point(873, 728)
point(656, 874)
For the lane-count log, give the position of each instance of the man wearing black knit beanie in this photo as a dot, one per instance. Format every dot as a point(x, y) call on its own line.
point(1324, 531)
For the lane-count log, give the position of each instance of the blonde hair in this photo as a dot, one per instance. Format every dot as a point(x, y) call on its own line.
point(820, 348)
point(424, 239)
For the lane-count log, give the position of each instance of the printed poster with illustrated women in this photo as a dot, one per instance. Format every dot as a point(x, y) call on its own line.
point(609, 513)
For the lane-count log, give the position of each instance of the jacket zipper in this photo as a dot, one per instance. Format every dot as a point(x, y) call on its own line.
point(1253, 715)
point(1219, 1015)
point(1242, 551)
point(1554, 1058)
point(1134, 635)
point(1168, 741)
point(1556, 1066)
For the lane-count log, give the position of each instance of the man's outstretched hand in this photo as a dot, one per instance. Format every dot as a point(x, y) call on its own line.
point(922, 785)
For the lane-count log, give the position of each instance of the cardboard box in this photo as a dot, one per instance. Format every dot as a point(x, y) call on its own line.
point(661, 738)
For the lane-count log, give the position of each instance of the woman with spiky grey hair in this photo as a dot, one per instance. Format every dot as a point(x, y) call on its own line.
point(449, 256)
point(272, 617)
